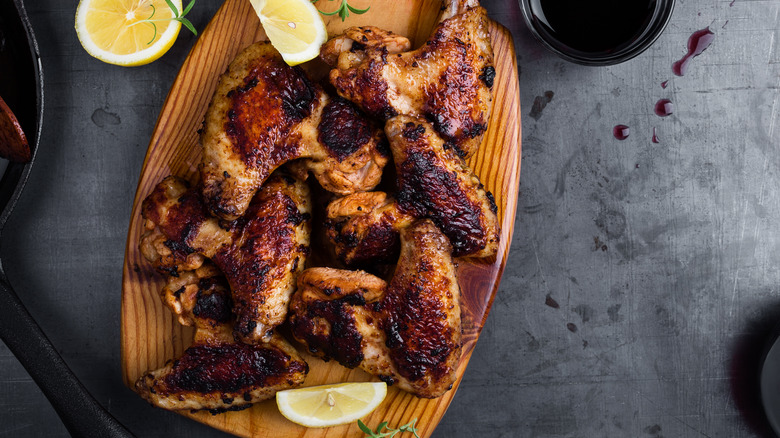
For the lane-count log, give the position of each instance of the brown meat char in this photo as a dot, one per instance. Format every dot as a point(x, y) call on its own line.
point(231, 369)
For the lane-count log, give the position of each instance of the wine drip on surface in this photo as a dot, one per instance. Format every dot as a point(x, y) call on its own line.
point(620, 132)
point(664, 108)
point(664, 84)
point(595, 26)
point(655, 137)
point(697, 43)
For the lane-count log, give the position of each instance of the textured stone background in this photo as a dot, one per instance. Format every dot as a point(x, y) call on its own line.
point(642, 280)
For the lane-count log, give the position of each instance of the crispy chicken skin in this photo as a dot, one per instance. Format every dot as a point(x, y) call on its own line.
point(433, 182)
point(407, 332)
point(216, 373)
point(260, 253)
point(447, 80)
point(364, 228)
point(265, 113)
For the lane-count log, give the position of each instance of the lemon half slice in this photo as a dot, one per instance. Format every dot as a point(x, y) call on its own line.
point(329, 405)
point(294, 27)
point(113, 31)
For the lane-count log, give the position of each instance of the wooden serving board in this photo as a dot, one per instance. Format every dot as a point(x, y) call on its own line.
point(151, 336)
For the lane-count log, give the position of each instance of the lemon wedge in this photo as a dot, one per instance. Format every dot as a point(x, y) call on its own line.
point(329, 405)
point(294, 27)
point(113, 31)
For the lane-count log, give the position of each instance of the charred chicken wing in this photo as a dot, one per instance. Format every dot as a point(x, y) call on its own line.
point(260, 253)
point(265, 113)
point(407, 332)
point(448, 80)
point(216, 373)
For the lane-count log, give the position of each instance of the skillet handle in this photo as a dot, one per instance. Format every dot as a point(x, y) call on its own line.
point(78, 410)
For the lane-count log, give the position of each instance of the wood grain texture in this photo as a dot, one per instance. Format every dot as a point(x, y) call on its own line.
point(150, 335)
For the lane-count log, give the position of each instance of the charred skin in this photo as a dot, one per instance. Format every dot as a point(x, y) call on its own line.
point(260, 253)
point(264, 114)
point(216, 373)
point(448, 80)
point(269, 248)
point(224, 376)
point(250, 127)
point(422, 307)
point(434, 182)
point(365, 227)
point(407, 332)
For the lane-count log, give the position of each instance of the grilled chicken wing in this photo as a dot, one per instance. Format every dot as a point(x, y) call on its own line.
point(433, 182)
point(407, 332)
point(216, 373)
point(265, 113)
point(448, 80)
point(260, 253)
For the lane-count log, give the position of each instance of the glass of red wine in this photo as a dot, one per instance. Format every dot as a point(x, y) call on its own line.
point(597, 32)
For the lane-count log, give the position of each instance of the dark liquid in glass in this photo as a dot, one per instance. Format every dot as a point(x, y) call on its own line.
point(594, 26)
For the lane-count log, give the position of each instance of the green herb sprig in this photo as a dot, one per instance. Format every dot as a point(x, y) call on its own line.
point(382, 431)
point(344, 10)
point(176, 17)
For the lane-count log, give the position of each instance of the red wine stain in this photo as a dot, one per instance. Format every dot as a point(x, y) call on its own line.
point(732, 3)
point(664, 108)
point(551, 302)
point(697, 43)
point(724, 24)
point(572, 327)
point(539, 103)
point(620, 132)
point(664, 84)
point(655, 137)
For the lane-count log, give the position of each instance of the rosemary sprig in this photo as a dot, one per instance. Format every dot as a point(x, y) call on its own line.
point(176, 17)
point(344, 10)
point(383, 430)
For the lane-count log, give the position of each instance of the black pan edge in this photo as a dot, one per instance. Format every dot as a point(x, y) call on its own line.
point(16, 174)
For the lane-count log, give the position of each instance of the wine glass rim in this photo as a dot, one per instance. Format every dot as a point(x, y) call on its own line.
point(652, 31)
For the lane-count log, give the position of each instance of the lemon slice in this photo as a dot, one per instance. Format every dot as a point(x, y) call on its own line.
point(113, 31)
point(294, 27)
point(329, 405)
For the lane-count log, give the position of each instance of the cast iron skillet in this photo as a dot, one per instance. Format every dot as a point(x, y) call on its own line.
point(21, 85)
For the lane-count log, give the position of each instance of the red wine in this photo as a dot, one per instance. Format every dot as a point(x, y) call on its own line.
point(664, 107)
point(697, 43)
point(620, 132)
point(594, 26)
point(655, 137)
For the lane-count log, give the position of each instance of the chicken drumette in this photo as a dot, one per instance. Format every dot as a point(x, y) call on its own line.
point(407, 332)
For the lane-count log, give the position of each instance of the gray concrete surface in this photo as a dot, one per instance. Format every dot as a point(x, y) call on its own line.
point(642, 280)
